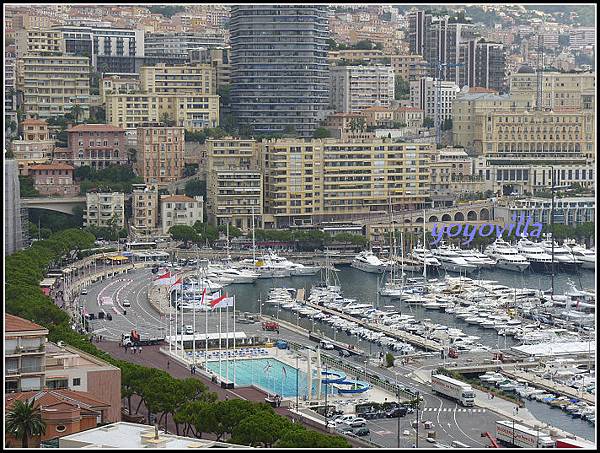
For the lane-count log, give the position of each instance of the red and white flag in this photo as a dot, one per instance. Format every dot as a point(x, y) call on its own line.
point(177, 284)
point(166, 279)
point(222, 302)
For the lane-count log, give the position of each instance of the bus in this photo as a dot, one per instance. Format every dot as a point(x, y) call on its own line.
point(133, 246)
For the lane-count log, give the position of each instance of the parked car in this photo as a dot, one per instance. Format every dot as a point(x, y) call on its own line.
point(362, 431)
point(400, 411)
point(358, 422)
point(327, 345)
point(344, 419)
point(84, 291)
point(126, 303)
point(189, 330)
point(344, 428)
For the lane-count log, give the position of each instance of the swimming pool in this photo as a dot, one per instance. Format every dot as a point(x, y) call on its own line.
point(268, 374)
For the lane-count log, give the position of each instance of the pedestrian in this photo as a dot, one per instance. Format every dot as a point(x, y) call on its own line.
point(168, 364)
point(226, 397)
point(517, 409)
point(191, 369)
point(140, 350)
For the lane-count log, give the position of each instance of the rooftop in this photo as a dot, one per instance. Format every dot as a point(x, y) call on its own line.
point(134, 435)
point(33, 121)
point(176, 198)
point(48, 397)
point(16, 324)
point(95, 128)
point(51, 167)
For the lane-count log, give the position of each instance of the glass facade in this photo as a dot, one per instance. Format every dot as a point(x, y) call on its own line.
point(279, 73)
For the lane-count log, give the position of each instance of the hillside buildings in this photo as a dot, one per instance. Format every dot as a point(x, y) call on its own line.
point(105, 210)
point(97, 145)
point(160, 154)
point(180, 210)
point(356, 88)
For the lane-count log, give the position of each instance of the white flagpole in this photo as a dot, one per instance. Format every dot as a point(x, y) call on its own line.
point(175, 317)
point(194, 334)
point(205, 333)
point(182, 331)
point(220, 347)
point(227, 341)
point(234, 361)
point(170, 323)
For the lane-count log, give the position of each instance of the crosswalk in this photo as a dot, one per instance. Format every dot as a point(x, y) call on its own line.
point(451, 409)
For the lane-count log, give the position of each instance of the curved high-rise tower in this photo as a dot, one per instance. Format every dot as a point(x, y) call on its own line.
point(279, 69)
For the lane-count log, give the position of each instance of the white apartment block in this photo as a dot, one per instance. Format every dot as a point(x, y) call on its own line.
point(356, 88)
point(426, 92)
point(180, 210)
point(105, 210)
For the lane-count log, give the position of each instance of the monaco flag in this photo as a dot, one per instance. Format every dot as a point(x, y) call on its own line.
point(222, 302)
point(166, 279)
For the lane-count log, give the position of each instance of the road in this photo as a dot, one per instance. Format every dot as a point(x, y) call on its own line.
point(451, 422)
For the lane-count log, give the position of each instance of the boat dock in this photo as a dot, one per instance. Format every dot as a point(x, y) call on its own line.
point(414, 340)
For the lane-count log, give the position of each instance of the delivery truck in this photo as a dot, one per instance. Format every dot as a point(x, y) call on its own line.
point(514, 434)
point(453, 389)
point(135, 339)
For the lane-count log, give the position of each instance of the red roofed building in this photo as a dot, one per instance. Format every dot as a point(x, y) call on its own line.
point(411, 116)
point(97, 145)
point(64, 412)
point(54, 179)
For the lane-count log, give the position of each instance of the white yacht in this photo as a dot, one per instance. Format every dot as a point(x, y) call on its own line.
point(367, 261)
point(424, 256)
point(535, 254)
point(238, 275)
point(506, 256)
point(477, 258)
point(451, 261)
point(586, 256)
point(563, 257)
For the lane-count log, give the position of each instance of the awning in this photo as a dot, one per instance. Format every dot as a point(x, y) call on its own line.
point(117, 258)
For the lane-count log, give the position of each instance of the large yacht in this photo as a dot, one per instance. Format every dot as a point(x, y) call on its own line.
point(273, 266)
point(563, 257)
point(367, 261)
point(424, 256)
point(475, 257)
point(586, 256)
point(535, 254)
point(452, 261)
point(507, 257)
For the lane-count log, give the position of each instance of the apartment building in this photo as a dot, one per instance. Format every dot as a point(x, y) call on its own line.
point(72, 369)
point(181, 43)
point(117, 84)
point(409, 67)
point(307, 182)
point(582, 37)
point(160, 155)
point(180, 210)
point(197, 79)
point(483, 65)
point(279, 70)
point(567, 211)
point(63, 412)
point(53, 85)
point(145, 210)
point(10, 91)
point(55, 179)
point(192, 112)
point(234, 183)
point(426, 93)
point(41, 42)
point(96, 145)
point(15, 216)
point(220, 60)
point(411, 116)
point(24, 355)
point(105, 210)
point(560, 90)
point(378, 116)
point(451, 172)
point(356, 88)
point(35, 147)
point(29, 21)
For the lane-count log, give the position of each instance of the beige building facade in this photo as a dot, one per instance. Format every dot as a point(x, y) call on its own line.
point(160, 154)
point(356, 88)
point(308, 182)
point(145, 209)
point(234, 183)
point(36, 147)
point(36, 41)
point(105, 210)
point(180, 210)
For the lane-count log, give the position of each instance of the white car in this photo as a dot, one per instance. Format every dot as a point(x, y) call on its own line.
point(126, 304)
point(358, 422)
point(347, 419)
point(189, 330)
point(328, 346)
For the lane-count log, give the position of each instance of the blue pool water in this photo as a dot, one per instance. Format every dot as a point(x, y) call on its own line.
point(268, 374)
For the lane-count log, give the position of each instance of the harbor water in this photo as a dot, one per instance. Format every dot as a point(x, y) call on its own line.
point(363, 286)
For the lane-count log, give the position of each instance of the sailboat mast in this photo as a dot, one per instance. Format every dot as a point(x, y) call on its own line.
point(424, 249)
point(253, 239)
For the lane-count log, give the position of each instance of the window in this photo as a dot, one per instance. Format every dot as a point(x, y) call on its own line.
point(61, 428)
point(76, 382)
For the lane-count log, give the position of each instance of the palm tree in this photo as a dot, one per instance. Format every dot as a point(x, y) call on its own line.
point(25, 421)
point(76, 111)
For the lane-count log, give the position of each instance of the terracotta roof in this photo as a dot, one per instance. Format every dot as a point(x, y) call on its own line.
point(408, 109)
point(16, 324)
point(95, 128)
point(33, 121)
point(178, 198)
point(377, 108)
point(48, 397)
point(51, 167)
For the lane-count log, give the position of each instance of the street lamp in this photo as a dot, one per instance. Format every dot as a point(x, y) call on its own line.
point(418, 404)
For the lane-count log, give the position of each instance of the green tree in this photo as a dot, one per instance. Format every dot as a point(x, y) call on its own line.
point(304, 438)
point(321, 132)
point(290, 130)
point(190, 170)
point(401, 88)
point(447, 124)
point(260, 430)
point(167, 119)
point(76, 112)
point(233, 231)
point(428, 122)
point(24, 421)
point(26, 187)
point(184, 233)
point(206, 231)
point(358, 124)
point(195, 188)
point(389, 359)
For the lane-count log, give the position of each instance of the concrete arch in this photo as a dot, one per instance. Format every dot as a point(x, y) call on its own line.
point(471, 215)
point(484, 214)
point(459, 216)
point(406, 220)
point(433, 218)
point(419, 220)
point(446, 218)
